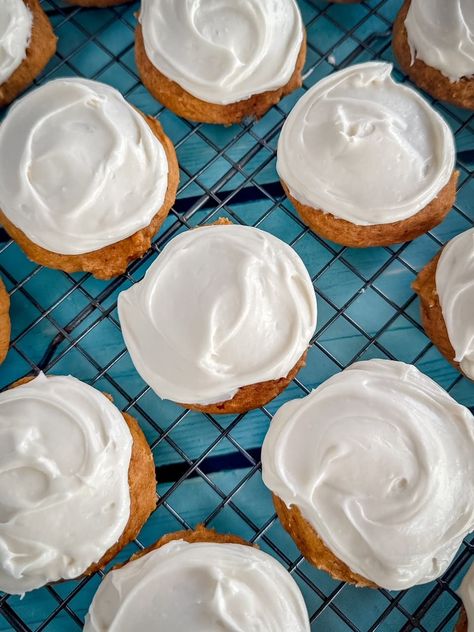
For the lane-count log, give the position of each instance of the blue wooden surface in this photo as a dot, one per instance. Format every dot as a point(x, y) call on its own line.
point(366, 309)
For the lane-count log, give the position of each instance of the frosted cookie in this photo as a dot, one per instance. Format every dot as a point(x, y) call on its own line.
point(222, 320)
point(5, 325)
point(27, 43)
point(365, 160)
point(433, 41)
point(201, 581)
point(373, 475)
point(446, 290)
point(85, 179)
point(219, 62)
point(466, 592)
point(77, 481)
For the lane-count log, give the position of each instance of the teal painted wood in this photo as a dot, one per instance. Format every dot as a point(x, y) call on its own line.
point(208, 467)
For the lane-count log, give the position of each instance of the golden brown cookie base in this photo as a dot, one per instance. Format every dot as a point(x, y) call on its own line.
point(348, 234)
point(252, 396)
point(5, 325)
point(113, 259)
point(431, 313)
point(199, 534)
point(460, 93)
point(184, 104)
point(40, 50)
point(313, 548)
point(461, 625)
point(142, 484)
point(101, 4)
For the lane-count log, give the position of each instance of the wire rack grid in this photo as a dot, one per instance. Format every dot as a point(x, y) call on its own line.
point(208, 467)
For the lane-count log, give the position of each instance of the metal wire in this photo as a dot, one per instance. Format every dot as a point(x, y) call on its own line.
point(60, 322)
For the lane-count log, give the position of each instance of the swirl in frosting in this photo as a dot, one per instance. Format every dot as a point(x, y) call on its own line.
point(223, 51)
point(222, 307)
point(201, 587)
point(16, 23)
point(466, 592)
point(64, 496)
point(441, 34)
point(365, 148)
point(455, 288)
point(380, 461)
point(80, 168)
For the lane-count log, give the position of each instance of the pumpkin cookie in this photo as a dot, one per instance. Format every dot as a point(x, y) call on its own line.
point(73, 440)
point(446, 290)
point(433, 41)
point(5, 325)
point(26, 46)
point(366, 161)
point(373, 475)
point(101, 177)
point(222, 320)
point(199, 580)
point(220, 63)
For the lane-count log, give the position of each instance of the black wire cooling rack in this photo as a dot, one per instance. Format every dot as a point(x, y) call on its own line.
point(208, 467)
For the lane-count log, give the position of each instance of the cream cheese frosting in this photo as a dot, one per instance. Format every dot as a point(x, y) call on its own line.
point(455, 288)
point(64, 495)
point(380, 461)
point(441, 34)
point(466, 592)
point(222, 307)
point(204, 587)
point(223, 51)
point(16, 23)
point(364, 148)
point(80, 168)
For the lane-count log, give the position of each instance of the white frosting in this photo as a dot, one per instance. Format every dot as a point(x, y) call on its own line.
point(466, 592)
point(80, 168)
point(223, 51)
point(380, 460)
point(365, 148)
point(64, 494)
point(16, 22)
point(455, 287)
point(222, 307)
point(441, 33)
point(203, 587)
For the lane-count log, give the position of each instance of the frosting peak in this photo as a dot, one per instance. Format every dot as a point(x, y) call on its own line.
point(80, 168)
point(64, 495)
point(223, 51)
point(364, 148)
point(380, 461)
point(16, 22)
point(455, 287)
point(222, 307)
point(204, 587)
point(441, 34)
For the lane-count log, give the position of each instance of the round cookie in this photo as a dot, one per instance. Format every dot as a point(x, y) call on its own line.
point(5, 325)
point(372, 475)
point(73, 440)
point(101, 177)
point(446, 290)
point(222, 320)
point(199, 580)
point(442, 67)
point(366, 161)
point(221, 74)
point(466, 592)
point(35, 47)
